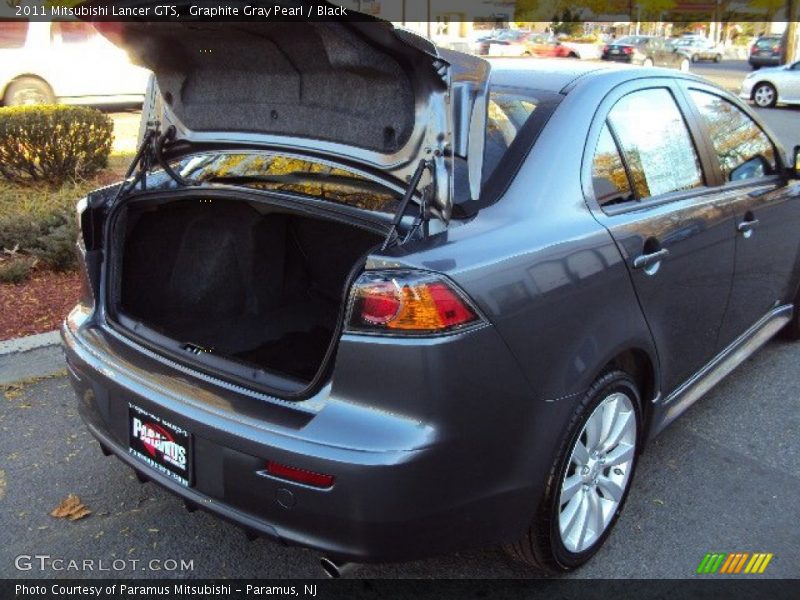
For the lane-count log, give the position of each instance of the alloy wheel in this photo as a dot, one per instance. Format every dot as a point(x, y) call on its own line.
point(28, 96)
point(684, 65)
point(598, 473)
point(764, 95)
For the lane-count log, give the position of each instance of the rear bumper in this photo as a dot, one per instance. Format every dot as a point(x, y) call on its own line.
point(405, 487)
point(764, 61)
point(623, 58)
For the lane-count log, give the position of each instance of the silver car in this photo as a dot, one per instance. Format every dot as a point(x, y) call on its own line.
point(767, 87)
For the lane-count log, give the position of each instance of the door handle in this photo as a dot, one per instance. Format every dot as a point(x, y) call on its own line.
point(747, 226)
point(649, 260)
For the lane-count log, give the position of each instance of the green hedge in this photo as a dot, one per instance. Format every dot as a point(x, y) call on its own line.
point(53, 143)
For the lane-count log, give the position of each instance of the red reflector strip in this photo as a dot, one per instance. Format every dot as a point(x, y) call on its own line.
point(300, 475)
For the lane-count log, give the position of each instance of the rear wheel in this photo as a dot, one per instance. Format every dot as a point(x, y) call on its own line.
point(648, 62)
point(792, 330)
point(765, 95)
point(684, 66)
point(695, 58)
point(28, 91)
point(590, 479)
point(717, 58)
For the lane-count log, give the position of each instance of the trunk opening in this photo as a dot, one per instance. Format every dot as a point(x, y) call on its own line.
point(248, 288)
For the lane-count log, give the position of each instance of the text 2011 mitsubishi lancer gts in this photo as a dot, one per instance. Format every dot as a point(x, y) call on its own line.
point(384, 301)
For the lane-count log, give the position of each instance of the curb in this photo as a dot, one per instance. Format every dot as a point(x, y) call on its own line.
point(30, 342)
point(30, 356)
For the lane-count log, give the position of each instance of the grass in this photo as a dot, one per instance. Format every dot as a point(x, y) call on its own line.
point(38, 225)
point(32, 201)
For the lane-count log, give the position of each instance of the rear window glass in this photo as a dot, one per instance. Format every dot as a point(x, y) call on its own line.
point(507, 113)
point(515, 116)
point(13, 34)
point(768, 43)
point(290, 174)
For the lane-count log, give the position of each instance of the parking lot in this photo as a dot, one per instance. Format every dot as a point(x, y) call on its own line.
point(724, 478)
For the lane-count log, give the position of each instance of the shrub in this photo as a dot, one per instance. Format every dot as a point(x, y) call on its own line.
point(53, 143)
point(16, 269)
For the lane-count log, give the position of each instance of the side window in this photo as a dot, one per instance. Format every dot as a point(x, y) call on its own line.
point(655, 142)
point(743, 149)
point(13, 34)
point(609, 179)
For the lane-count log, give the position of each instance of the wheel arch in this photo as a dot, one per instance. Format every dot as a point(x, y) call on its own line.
point(641, 366)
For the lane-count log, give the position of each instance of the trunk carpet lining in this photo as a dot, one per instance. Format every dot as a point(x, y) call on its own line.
point(261, 289)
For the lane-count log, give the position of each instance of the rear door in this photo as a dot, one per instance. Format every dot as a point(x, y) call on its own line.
point(673, 229)
point(767, 211)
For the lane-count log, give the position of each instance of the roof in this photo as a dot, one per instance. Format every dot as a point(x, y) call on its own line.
point(550, 74)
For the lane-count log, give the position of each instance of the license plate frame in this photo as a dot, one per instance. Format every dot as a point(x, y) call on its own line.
point(162, 445)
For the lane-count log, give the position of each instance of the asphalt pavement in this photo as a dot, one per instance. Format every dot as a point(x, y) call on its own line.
point(723, 478)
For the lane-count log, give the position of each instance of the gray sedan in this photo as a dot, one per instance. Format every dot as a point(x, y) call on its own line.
point(767, 87)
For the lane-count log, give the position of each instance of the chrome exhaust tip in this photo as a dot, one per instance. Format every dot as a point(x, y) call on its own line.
point(335, 568)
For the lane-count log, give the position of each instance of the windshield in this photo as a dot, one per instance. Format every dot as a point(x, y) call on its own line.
point(289, 174)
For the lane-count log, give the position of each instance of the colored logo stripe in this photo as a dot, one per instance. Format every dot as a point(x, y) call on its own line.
point(734, 562)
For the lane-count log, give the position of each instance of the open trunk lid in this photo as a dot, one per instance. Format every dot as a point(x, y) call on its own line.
point(356, 91)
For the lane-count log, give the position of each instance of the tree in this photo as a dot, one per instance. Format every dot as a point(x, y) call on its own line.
point(568, 23)
point(770, 7)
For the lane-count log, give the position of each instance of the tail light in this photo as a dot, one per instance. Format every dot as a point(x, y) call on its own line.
point(408, 303)
point(628, 50)
point(753, 49)
point(605, 49)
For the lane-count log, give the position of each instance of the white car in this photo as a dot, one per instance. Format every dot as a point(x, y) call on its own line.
point(69, 62)
point(767, 87)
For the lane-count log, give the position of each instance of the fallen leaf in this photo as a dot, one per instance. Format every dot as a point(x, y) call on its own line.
point(658, 501)
point(2, 484)
point(70, 508)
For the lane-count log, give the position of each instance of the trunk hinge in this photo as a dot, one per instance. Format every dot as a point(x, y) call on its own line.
point(422, 217)
point(150, 154)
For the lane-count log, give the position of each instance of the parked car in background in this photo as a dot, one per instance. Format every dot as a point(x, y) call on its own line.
point(349, 322)
point(698, 49)
point(517, 42)
point(766, 52)
point(647, 51)
point(775, 85)
point(43, 63)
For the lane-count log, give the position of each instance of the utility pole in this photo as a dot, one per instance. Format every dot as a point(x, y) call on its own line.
point(790, 51)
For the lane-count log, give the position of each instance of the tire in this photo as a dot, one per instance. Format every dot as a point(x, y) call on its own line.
point(718, 58)
point(544, 546)
point(792, 330)
point(765, 95)
point(572, 55)
point(648, 62)
point(755, 67)
point(28, 90)
point(684, 66)
point(695, 58)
